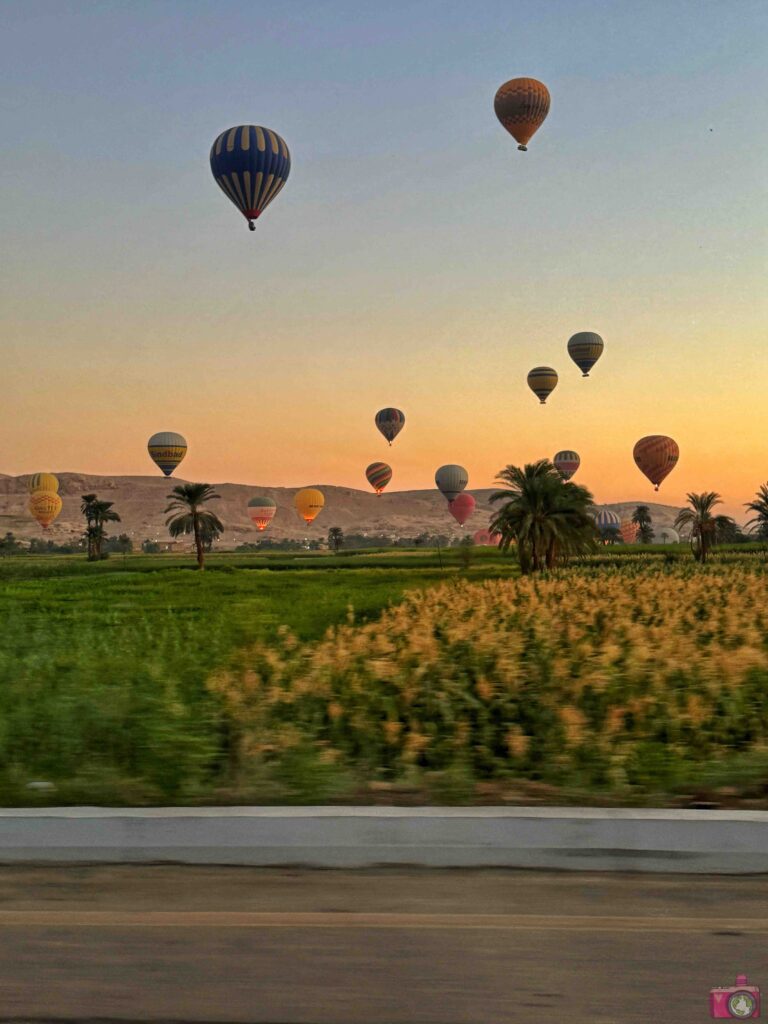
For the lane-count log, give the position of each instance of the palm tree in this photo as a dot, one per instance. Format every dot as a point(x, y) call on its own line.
point(335, 538)
point(726, 530)
point(700, 521)
point(186, 502)
point(759, 522)
point(96, 513)
point(547, 518)
point(641, 517)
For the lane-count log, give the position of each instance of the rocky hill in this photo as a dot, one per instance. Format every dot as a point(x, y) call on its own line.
point(140, 501)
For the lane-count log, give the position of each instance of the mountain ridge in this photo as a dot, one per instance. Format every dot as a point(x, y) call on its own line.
point(140, 501)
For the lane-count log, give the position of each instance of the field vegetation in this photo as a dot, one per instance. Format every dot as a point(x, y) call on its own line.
point(634, 676)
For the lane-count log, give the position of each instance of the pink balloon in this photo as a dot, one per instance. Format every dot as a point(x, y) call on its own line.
point(462, 507)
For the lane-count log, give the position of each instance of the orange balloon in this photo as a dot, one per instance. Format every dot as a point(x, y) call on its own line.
point(628, 531)
point(522, 104)
point(656, 456)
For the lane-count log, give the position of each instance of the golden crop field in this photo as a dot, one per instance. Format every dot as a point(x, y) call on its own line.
point(634, 678)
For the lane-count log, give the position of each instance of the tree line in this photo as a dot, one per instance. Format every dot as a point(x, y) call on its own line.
point(546, 519)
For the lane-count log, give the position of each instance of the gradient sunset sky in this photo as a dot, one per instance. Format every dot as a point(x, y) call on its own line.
point(414, 258)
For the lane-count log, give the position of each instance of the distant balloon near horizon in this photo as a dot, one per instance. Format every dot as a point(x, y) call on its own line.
point(378, 475)
point(250, 165)
point(262, 511)
point(605, 519)
point(390, 422)
point(309, 503)
point(628, 531)
point(656, 456)
point(45, 506)
point(667, 535)
point(522, 104)
point(542, 380)
point(585, 348)
point(462, 507)
point(167, 449)
point(451, 481)
point(485, 539)
point(43, 482)
point(566, 463)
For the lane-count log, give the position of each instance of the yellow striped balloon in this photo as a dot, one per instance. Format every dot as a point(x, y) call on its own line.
point(45, 506)
point(585, 348)
point(542, 380)
point(166, 450)
point(43, 482)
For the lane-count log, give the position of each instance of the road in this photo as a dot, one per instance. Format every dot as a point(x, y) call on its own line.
point(194, 944)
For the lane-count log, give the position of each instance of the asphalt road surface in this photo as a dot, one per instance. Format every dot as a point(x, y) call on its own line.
point(193, 944)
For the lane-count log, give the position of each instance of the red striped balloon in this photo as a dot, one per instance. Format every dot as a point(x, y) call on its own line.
point(656, 456)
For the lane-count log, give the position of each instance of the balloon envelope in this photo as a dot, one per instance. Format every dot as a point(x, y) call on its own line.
point(628, 531)
point(522, 104)
point(451, 481)
point(390, 422)
point(656, 456)
point(605, 519)
point(668, 536)
point(542, 380)
point(45, 507)
point(250, 164)
point(566, 463)
point(484, 538)
point(378, 475)
point(309, 502)
point(43, 482)
point(462, 507)
point(262, 511)
point(585, 348)
point(166, 450)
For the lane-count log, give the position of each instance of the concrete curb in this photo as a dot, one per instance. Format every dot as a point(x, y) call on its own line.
point(569, 838)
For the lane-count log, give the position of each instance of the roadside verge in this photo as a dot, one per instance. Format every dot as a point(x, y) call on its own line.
point(564, 838)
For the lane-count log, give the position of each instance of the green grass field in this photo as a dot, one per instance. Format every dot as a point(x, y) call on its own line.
point(103, 667)
point(106, 679)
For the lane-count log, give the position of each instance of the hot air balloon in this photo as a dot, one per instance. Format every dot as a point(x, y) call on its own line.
point(585, 348)
point(566, 463)
point(378, 474)
point(262, 511)
point(522, 104)
point(668, 536)
point(451, 481)
point(462, 507)
point(166, 450)
point(656, 456)
point(628, 531)
point(45, 507)
point(390, 422)
point(542, 380)
point(43, 482)
point(482, 538)
point(605, 519)
point(309, 502)
point(250, 164)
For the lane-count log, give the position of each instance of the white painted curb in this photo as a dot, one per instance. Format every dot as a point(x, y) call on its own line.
point(571, 838)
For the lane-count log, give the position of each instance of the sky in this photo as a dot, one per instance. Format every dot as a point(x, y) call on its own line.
point(414, 258)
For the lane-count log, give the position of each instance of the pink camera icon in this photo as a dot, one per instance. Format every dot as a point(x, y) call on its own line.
point(737, 1002)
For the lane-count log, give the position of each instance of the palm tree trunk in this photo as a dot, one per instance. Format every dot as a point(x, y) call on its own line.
point(198, 544)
